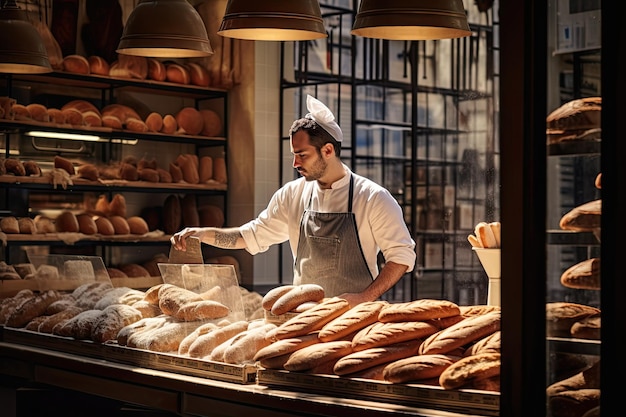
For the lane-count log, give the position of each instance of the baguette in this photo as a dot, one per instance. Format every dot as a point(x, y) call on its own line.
point(310, 320)
point(314, 355)
point(470, 368)
point(418, 310)
point(364, 359)
point(358, 317)
point(417, 368)
point(296, 296)
point(243, 349)
point(204, 344)
point(172, 298)
point(201, 310)
point(286, 346)
point(274, 294)
point(383, 334)
point(462, 333)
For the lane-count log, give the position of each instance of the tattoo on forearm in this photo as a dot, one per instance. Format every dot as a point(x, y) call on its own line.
point(225, 240)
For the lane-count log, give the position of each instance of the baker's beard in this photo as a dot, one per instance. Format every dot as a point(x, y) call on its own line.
point(317, 170)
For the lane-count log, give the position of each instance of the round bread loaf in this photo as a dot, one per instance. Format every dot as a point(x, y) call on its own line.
point(73, 116)
point(10, 225)
point(211, 123)
point(88, 171)
point(178, 74)
point(121, 111)
point(56, 116)
point(109, 120)
point(136, 125)
point(14, 166)
point(31, 168)
point(81, 105)
point(189, 121)
point(134, 270)
point(26, 225)
point(91, 118)
point(583, 218)
point(211, 216)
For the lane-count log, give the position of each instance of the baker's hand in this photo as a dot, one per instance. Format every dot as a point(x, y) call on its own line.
point(179, 239)
point(354, 298)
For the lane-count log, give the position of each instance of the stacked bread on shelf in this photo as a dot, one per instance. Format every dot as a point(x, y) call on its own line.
point(577, 119)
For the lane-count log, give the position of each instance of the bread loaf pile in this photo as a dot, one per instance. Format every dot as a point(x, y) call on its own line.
point(577, 395)
point(423, 341)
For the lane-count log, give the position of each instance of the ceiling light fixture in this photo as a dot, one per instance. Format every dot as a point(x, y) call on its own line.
point(411, 19)
point(273, 20)
point(165, 29)
point(21, 48)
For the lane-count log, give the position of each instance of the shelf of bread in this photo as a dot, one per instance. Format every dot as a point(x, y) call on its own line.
point(46, 182)
point(470, 401)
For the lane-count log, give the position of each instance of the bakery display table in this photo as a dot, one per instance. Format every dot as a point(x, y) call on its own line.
point(181, 394)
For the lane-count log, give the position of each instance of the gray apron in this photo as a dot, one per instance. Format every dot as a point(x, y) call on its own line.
point(329, 251)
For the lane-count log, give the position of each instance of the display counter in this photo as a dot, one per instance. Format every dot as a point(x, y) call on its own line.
point(181, 394)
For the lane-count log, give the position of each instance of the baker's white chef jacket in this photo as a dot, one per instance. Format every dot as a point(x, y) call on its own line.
point(379, 219)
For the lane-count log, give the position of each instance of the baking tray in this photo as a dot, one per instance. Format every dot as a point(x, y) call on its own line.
point(242, 374)
point(467, 401)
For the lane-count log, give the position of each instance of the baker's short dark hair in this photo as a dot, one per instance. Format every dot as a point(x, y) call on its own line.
point(318, 136)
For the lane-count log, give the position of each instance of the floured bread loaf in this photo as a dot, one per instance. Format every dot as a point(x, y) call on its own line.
point(462, 333)
point(315, 355)
point(383, 334)
point(584, 275)
point(583, 218)
point(112, 320)
point(30, 308)
point(358, 361)
point(204, 344)
point(470, 368)
point(560, 316)
point(417, 368)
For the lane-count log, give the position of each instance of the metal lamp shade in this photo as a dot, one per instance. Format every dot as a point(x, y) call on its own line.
point(165, 29)
point(21, 48)
point(411, 19)
point(273, 20)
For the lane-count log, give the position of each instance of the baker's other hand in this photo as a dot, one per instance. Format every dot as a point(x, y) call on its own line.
point(179, 239)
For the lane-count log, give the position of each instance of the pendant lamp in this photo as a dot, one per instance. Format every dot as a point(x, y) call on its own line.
point(273, 20)
point(411, 19)
point(21, 47)
point(165, 29)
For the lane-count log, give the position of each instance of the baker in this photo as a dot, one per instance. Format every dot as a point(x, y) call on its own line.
point(335, 220)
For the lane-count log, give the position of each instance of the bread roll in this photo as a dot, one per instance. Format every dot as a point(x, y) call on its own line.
point(137, 225)
point(38, 112)
point(198, 75)
point(98, 66)
point(178, 74)
point(76, 64)
point(73, 116)
point(154, 122)
point(176, 172)
point(136, 125)
point(172, 298)
point(148, 174)
point(156, 70)
point(26, 225)
point(56, 116)
point(88, 171)
point(164, 176)
point(170, 125)
point(86, 224)
point(14, 166)
point(121, 111)
point(109, 120)
point(120, 225)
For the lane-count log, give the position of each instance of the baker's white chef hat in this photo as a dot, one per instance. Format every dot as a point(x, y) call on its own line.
point(323, 117)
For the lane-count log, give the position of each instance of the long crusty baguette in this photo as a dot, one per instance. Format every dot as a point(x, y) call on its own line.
point(310, 320)
point(417, 368)
point(286, 346)
point(243, 349)
point(418, 310)
point(358, 317)
point(358, 361)
point(201, 310)
point(489, 344)
point(465, 370)
point(183, 348)
point(298, 295)
point(383, 334)
point(462, 333)
point(205, 343)
point(314, 355)
point(274, 294)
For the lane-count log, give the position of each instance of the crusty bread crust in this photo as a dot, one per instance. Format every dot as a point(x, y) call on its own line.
point(417, 310)
point(358, 317)
point(470, 368)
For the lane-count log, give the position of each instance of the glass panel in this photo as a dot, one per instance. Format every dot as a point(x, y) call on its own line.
point(573, 150)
